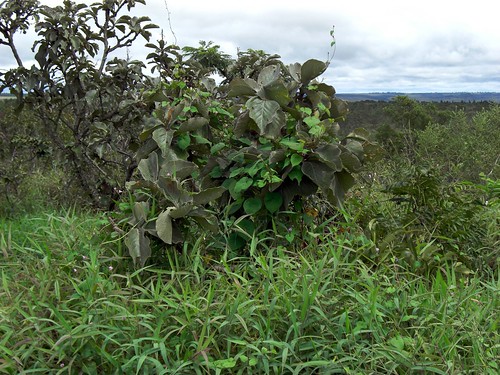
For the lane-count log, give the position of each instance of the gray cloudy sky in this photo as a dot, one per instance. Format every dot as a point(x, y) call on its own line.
point(382, 45)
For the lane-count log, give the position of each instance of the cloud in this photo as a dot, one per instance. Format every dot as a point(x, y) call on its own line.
point(384, 45)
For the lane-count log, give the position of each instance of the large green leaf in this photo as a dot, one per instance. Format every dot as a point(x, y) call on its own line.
point(330, 154)
point(295, 71)
point(149, 167)
point(276, 156)
point(242, 185)
point(273, 201)
point(351, 162)
point(339, 108)
point(178, 212)
point(146, 149)
point(240, 87)
point(163, 139)
point(192, 124)
point(278, 92)
point(360, 134)
point(138, 246)
point(252, 205)
point(140, 212)
point(235, 241)
point(243, 123)
point(208, 195)
point(296, 159)
point(174, 192)
point(342, 182)
point(356, 148)
point(317, 97)
point(320, 173)
point(207, 222)
point(183, 141)
point(291, 189)
point(292, 144)
point(263, 112)
point(311, 69)
point(180, 169)
point(164, 226)
point(327, 89)
point(269, 75)
point(273, 129)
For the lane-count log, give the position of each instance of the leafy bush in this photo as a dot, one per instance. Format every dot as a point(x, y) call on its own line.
point(250, 148)
point(425, 223)
point(462, 149)
point(85, 100)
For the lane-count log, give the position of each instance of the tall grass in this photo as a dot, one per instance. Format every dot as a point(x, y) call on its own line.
point(70, 304)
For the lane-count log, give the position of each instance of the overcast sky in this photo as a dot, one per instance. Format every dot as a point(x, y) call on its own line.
point(382, 45)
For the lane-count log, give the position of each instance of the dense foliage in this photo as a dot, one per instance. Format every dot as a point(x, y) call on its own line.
point(246, 150)
point(240, 228)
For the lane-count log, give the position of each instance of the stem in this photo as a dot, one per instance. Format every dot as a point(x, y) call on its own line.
point(14, 50)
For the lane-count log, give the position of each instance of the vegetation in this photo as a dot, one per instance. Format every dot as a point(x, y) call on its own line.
point(170, 224)
point(71, 304)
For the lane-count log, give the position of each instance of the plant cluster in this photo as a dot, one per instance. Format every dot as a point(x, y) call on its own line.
point(419, 220)
point(90, 112)
point(462, 149)
point(247, 152)
point(188, 150)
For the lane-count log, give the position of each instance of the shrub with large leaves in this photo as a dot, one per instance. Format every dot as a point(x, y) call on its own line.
point(242, 151)
point(170, 196)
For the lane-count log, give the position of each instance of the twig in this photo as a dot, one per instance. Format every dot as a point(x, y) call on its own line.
point(115, 227)
point(170, 22)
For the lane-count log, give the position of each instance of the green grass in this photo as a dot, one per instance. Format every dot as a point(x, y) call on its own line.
point(71, 304)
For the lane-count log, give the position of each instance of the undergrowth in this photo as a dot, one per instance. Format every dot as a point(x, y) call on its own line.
point(72, 304)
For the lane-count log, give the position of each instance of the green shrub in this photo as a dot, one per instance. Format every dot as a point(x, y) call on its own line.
point(418, 219)
point(461, 149)
point(246, 153)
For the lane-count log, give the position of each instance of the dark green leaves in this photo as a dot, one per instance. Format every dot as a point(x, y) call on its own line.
point(330, 154)
point(267, 115)
point(278, 145)
point(311, 69)
point(138, 246)
point(321, 174)
point(242, 185)
point(278, 92)
point(241, 87)
point(252, 205)
point(208, 195)
point(273, 202)
point(164, 226)
point(149, 167)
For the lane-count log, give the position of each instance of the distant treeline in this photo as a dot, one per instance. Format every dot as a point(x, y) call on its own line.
point(426, 96)
point(372, 114)
point(453, 97)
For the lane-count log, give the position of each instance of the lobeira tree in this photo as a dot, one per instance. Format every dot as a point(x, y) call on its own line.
point(246, 149)
point(87, 100)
